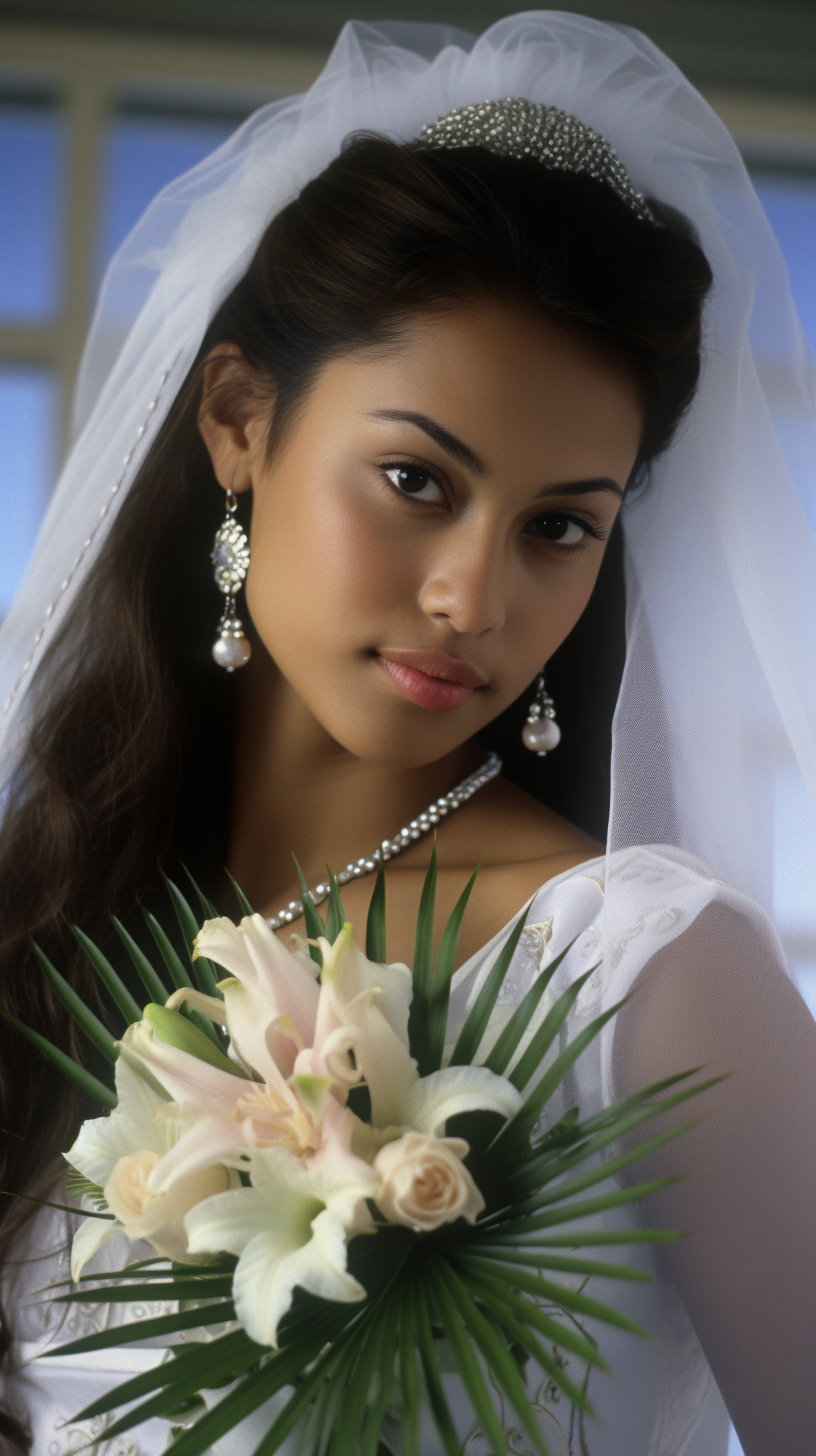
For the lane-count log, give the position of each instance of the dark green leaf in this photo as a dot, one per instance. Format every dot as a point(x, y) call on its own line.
point(375, 921)
point(314, 925)
point(173, 1289)
point(368, 1348)
point(583, 1209)
point(512, 1141)
point(153, 983)
point(510, 1312)
point(203, 974)
point(191, 1370)
point(335, 914)
point(533, 1055)
point(504, 1369)
point(470, 1036)
point(443, 971)
point(208, 910)
point(559, 1294)
point(419, 1014)
point(180, 979)
point(93, 1028)
point(385, 1373)
point(243, 903)
point(608, 1169)
point(166, 1324)
point(440, 1410)
point(497, 1287)
point(107, 975)
point(539, 1259)
point(454, 1327)
point(593, 1238)
point(85, 1080)
point(167, 951)
point(325, 1369)
point(544, 1169)
point(510, 1037)
point(409, 1375)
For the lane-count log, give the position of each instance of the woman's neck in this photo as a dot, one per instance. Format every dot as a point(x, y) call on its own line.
point(296, 791)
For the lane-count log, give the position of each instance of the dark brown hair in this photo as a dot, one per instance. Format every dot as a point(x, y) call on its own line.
point(129, 714)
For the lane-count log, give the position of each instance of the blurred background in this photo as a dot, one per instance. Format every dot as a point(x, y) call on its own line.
point(102, 102)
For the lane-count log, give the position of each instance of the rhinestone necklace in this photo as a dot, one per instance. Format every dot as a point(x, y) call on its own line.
point(391, 847)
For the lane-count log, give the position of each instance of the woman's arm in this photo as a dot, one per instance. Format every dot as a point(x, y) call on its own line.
point(718, 997)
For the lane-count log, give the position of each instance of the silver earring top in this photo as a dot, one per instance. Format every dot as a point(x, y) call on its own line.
point(515, 127)
point(230, 554)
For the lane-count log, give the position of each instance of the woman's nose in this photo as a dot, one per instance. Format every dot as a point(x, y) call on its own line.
point(466, 584)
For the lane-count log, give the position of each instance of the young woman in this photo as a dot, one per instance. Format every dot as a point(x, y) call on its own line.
point(440, 374)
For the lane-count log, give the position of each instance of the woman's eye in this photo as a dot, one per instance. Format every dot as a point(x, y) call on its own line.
point(562, 530)
point(412, 480)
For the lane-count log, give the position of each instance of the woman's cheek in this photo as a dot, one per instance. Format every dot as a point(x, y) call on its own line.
point(328, 572)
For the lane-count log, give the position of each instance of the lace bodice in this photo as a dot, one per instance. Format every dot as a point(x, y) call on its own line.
point(623, 912)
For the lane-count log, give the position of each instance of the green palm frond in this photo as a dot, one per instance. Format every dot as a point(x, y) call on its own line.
point(202, 972)
point(96, 1032)
point(375, 920)
point(335, 914)
point(314, 925)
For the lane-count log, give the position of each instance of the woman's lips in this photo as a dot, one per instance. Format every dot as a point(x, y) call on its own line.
point(432, 679)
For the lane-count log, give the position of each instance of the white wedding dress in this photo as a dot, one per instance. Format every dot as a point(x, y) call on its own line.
point(627, 911)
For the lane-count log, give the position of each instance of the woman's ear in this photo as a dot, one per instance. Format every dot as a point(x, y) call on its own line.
point(233, 416)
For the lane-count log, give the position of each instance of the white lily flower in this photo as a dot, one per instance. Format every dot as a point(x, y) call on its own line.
point(270, 998)
point(119, 1152)
point(290, 1228)
point(362, 1025)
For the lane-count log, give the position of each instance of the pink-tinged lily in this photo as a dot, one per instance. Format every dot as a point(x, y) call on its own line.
point(290, 1228)
point(362, 1035)
point(119, 1153)
point(223, 1117)
point(361, 1003)
point(270, 998)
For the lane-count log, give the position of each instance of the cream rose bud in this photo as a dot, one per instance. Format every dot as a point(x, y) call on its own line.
point(425, 1183)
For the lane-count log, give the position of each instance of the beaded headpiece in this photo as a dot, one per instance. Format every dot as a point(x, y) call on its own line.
point(515, 127)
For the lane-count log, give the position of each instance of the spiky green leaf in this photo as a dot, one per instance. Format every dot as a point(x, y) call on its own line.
point(467, 1042)
point(89, 1084)
point(443, 972)
point(92, 1027)
point(314, 925)
point(375, 920)
point(114, 985)
point(335, 914)
point(203, 975)
point(455, 1329)
point(152, 982)
point(243, 903)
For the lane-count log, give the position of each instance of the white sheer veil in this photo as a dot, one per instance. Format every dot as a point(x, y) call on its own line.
point(716, 723)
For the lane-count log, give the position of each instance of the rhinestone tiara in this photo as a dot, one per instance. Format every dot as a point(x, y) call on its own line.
point(516, 127)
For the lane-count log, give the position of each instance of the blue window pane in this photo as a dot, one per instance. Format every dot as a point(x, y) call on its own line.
point(790, 206)
point(143, 154)
point(29, 407)
point(31, 212)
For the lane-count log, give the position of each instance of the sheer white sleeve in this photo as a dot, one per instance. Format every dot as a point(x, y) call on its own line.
point(718, 997)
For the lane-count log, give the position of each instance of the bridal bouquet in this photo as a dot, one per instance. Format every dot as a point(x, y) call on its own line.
point(341, 1206)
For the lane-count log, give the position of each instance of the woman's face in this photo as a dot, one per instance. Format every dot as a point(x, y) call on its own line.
point(431, 525)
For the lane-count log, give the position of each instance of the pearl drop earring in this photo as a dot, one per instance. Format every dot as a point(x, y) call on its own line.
point(541, 733)
point(230, 557)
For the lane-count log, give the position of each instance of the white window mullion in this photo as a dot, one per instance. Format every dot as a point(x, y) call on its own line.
point(88, 109)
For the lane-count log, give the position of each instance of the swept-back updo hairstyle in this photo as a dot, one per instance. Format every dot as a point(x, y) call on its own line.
point(127, 753)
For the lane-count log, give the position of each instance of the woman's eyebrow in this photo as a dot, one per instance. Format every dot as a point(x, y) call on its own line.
point(582, 487)
point(454, 447)
point(467, 457)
